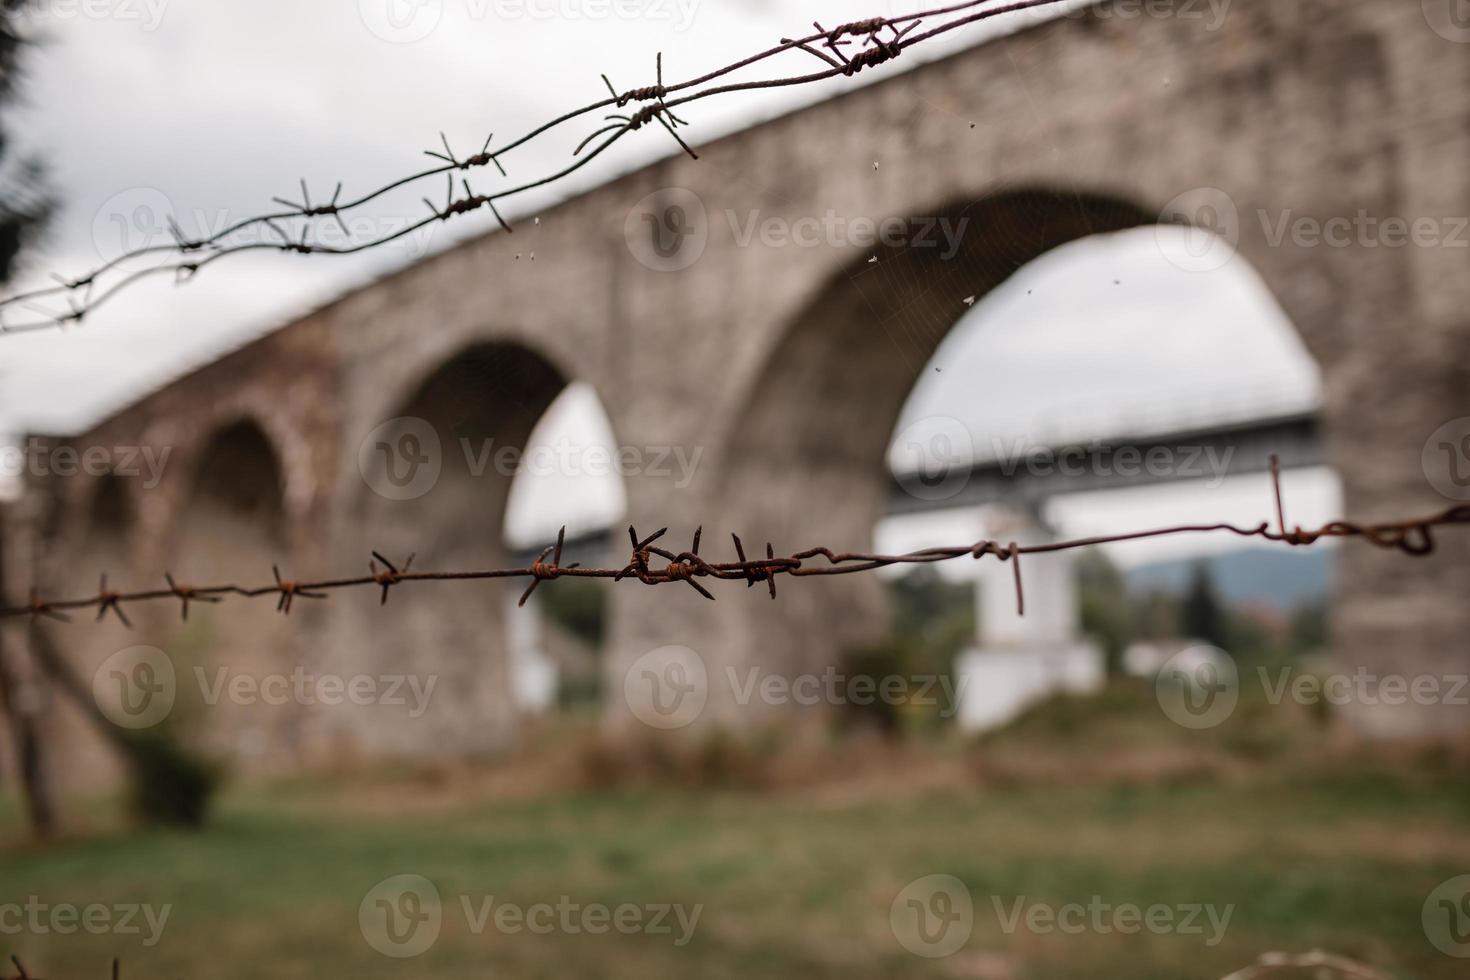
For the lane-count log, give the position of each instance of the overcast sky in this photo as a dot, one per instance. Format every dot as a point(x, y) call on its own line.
point(206, 109)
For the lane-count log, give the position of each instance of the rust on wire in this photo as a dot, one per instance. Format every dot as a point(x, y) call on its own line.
point(882, 40)
point(21, 973)
point(1413, 537)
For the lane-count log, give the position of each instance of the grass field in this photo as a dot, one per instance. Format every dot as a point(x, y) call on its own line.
point(1316, 847)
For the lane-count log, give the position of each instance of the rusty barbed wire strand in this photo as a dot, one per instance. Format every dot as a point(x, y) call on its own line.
point(1324, 964)
point(1269, 964)
point(21, 974)
point(1413, 537)
point(85, 293)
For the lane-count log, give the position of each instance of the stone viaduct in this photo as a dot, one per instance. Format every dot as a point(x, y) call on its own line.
point(788, 366)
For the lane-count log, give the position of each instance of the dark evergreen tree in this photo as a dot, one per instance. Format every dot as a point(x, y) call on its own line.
point(25, 201)
point(1201, 616)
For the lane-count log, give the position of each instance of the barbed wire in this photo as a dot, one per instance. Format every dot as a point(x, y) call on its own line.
point(879, 40)
point(1325, 965)
point(21, 973)
point(1413, 537)
point(1269, 964)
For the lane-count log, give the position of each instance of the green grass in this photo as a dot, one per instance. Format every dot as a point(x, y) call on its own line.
point(794, 882)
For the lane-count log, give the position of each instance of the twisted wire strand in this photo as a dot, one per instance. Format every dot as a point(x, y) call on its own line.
point(1412, 537)
point(186, 257)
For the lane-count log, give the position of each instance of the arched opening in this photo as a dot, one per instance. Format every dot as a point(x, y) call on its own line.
point(927, 367)
point(471, 428)
point(109, 521)
point(571, 476)
point(236, 503)
point(233, 528)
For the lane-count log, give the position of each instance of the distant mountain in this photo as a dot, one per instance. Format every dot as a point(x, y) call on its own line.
point(1280, 579)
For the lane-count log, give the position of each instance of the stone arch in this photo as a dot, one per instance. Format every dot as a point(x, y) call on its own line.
point(239, 476)
point(804, 458)
point(232, 526)
point(433, 480)
point(110, 519)
point(863, 339)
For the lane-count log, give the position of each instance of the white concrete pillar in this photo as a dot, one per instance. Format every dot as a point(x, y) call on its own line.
point(1022, 659)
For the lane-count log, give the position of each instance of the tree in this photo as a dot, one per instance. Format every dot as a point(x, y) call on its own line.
point(1107, 614)
point(25, 200)
point(1202, 617)
point(25, 205)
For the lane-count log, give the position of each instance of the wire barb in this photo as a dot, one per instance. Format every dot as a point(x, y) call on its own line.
point(289, 590)
point(541, 572)
point(186, 595)
point(110, 600)
point(390, 576)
